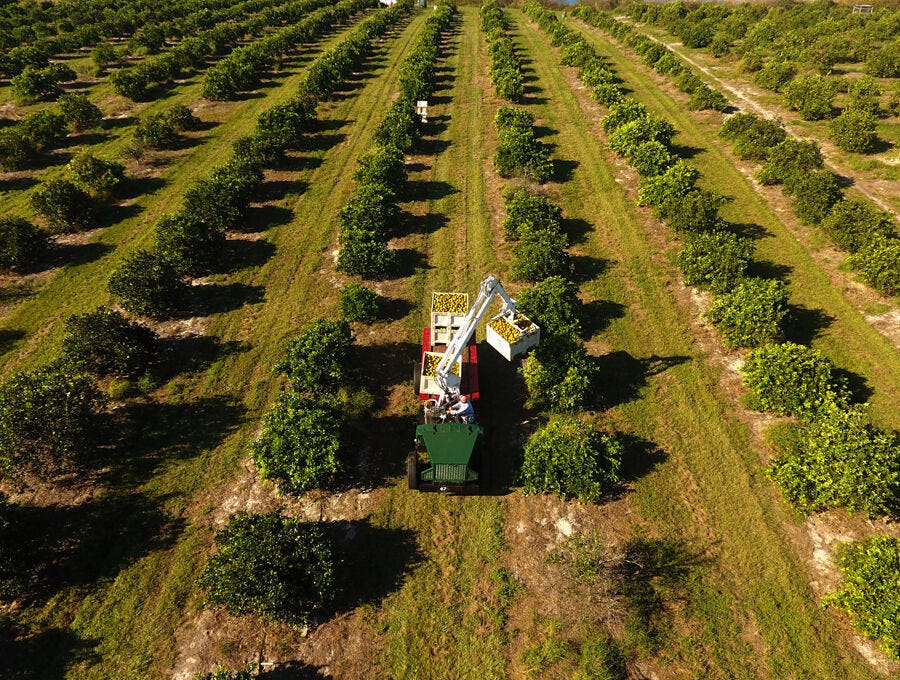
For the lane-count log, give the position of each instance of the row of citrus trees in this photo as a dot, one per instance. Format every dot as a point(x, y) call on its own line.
point(51, 418)
point(806, 40)
point(832, 457)
point(852, 224)
point(307, 436)
point(567, 455)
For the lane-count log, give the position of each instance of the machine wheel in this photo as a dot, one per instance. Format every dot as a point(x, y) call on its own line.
point(417, 378)
point(412, 470)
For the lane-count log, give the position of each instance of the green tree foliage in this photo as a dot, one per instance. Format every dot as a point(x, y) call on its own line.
point(148, 284)
point(21, 242)
point(359, 303)
point(626, 138)
point(519, 153)
point(665, 192)
point(569, 458)
point(714, 260)
point(788, 161)
point(854, 131)
point(21, 144)
point(182, 118)
point(751, 136)
point(64, 205)
point(559, 374)
point(863, 95)
point(775, 75)
point(526, 210)
point(79, 111)
point(271, 565)
point(839, 460)
point(696, 211)
point(750, 315)
point(105, 342)
point(104, 54)
point(791, 379)
point(373, 208)
point(540, 253)
point(317, 360)
point(191, 246)
point(287, 122)
point(224, 674)
point(815, 194)
point(383, 166)
point(48, 417)
point(811, 96)
point(400, 126)
point(157, 131)
point(300, 444)
point(554, 305)
point(853, 223)
point(870, 589)
point(705, 98)
point(96, 174)
point(364, 254)
point(622, 113)
point(878, 262)
point(885, 61)
point(651, 159)
point(34, 84)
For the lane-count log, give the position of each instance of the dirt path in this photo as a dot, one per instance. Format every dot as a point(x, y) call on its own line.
point(750, 103)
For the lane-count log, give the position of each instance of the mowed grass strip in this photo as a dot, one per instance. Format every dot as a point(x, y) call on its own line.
point(829, 321)
point(80, 286)
point(187, 450)
point(761, 618)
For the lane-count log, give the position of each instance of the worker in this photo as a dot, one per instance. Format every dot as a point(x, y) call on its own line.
point(463, 411)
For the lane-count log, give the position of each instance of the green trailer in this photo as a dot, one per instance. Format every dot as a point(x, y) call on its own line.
point(452, 454)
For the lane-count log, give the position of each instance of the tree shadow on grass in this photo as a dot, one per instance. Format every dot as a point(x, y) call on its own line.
point(259, 218)
point(748, 230)
point(294, 670)
point(588, 268)
point(108, 215)
point(48, 653)
point(858, 385)
point(426, 190)
point(147, 433)
point(71, 255)
point(239, 254)
point(684, 151)
point(386, 364)
point(564, 170)
point(62, 546)
point(802, 324)
point(640, 458)
point(768, 270)
point(394, 309)
point(195, 353)
point(419, 224)
point(17, 183)
point(576, 229)
point(214, 298)
point(276, 190)
point(409, 262)
point(622, 377)
point(430, 146)
point(374, 561)
point(116, 123)
point(323, 142)
point(133, 187)
point(9, 339)
point(598, 314)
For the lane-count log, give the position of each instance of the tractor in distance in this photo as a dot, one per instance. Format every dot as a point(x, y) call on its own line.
point(449, 369)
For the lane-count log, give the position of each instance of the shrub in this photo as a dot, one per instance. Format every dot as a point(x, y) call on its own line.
point(870, 589)
point(664, 192)
point(879, 264)
point(359, 303)
point(222, 673)
point(96, 174)
point(854, 131)
point(300, 443)
point(853, 223)
point(623, 112)
point(559, 374)
point(608, 94)
point(40, 83)
point(696, 211)
point(863, 96)
point(625, 139)
point(815, 193)
point(192, 247)
point(811, 96)
point(148, 284)
point(839, 460)
point(363, 254)
point(274, 566)
point(519, 153)
point(317, 359)
point(539, 253)
point(706, 98)
point(788, 161)
point(65, 206)
point(103, 54)
point(400, 126)
point(182, 118)
point(554, 305)
point(47, 418)
point(372, 208)
point(791, 379)
point(20, 242)
point(525, 210)
point(752, 136)
point(884, 62)
point(384, 166)
point(571, 459)
point(775, 75)
point(104, 342)
point(79, 111)
point(157, 131)
point(651, 159)
point(714, 260)
point(751, 314)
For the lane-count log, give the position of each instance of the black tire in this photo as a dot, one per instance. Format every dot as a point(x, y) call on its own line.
point(412, 471)
point(417, 378)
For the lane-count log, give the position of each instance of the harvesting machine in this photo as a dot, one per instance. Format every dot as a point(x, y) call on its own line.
point(449, 368)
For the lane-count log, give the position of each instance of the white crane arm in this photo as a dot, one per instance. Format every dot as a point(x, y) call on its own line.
point(490, 287)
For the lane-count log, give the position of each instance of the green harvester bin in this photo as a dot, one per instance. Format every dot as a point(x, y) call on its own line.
point(450, 447)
